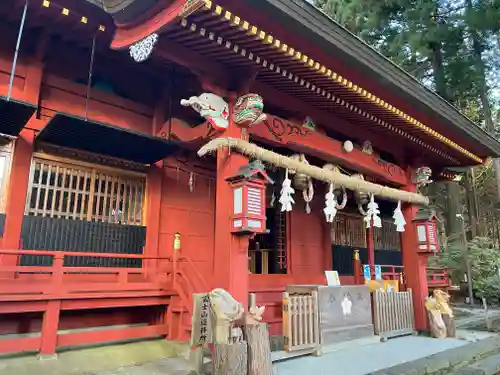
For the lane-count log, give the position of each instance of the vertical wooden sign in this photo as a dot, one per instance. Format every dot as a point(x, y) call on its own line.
point(202, 327)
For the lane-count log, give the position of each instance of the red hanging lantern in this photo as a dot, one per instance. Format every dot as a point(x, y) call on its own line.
point(427, 234)
point(249, 199)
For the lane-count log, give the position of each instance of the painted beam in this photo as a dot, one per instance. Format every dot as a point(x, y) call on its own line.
point(276, 131)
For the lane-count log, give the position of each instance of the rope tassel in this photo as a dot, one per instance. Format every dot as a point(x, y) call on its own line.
point(287, 191)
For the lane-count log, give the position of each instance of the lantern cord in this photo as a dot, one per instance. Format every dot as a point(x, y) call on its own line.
point(16, 53)
point(89, 81)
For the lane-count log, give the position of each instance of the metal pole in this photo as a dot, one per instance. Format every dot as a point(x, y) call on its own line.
point(467, 261)
point(16, 53)
point(89, 81)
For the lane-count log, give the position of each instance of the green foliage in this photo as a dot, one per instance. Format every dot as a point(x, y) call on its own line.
point(484, 260)
point(452, 47)
point(431, 39)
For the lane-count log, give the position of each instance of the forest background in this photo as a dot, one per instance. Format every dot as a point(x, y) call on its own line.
point(453, 48)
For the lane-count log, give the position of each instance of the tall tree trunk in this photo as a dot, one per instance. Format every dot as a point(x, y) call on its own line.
point(478, 49)
point(438, 70)
point(453, 208)
point(472, 203)
point(453, 204)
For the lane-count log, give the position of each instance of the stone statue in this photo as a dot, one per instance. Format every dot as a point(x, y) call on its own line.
point(227, 311)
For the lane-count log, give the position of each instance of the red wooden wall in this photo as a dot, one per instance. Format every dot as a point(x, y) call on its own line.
point(192, 214)
point(179, 210)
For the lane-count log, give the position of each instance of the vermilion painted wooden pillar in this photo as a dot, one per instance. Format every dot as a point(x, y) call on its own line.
point(16, 193)
point(414, 264)
point(154, 195)
point(230, 252)
point(51, 315)
point(357, 267)
point(50, 325)
point(370, 244)
point(21, 164)
point(327, 246)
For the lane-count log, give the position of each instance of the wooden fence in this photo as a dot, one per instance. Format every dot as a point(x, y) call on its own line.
point(393, 313)
point(301, 321)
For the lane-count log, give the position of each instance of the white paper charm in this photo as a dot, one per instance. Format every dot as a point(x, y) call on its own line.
point(286, 198)
point(399, 219)
point(372, 214)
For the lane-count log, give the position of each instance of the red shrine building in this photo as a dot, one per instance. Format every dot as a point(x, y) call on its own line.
point(154, 149)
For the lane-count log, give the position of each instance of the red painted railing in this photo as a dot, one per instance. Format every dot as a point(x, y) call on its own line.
point(50, 288)
point(437, 277)
point(389, 272)
point(59, 281)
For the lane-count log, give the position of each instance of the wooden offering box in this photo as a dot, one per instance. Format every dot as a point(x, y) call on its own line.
point(345, 312)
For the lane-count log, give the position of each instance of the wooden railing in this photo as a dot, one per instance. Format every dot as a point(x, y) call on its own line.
point(393, 313)
point(59, 280)
point(22, 287)
point(389, 272)
point(437, 277)
point(301, 321)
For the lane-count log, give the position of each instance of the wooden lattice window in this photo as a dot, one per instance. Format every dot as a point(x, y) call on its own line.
point(80, 191)
point(387, 238)
point(267, 251)
point(348, 230)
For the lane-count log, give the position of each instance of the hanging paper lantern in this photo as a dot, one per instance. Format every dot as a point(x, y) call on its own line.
point(249, 202)
point(427, 234)
point(399, 219)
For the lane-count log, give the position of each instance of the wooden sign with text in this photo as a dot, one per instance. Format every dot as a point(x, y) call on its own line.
point(202, 328)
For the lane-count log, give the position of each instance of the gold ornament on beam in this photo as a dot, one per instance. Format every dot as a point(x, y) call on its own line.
point(367, 148)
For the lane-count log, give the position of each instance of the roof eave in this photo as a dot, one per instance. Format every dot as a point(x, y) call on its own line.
point(340, 43)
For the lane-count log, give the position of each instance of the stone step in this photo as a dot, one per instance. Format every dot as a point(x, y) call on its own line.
point(487, 366)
